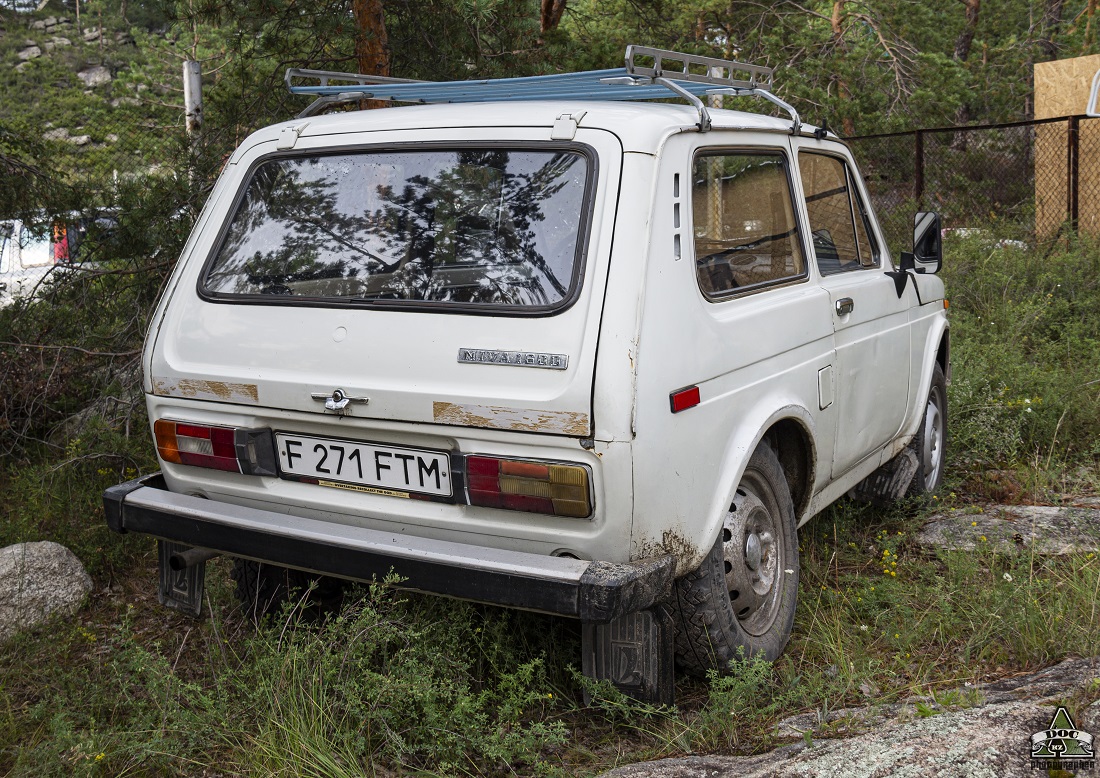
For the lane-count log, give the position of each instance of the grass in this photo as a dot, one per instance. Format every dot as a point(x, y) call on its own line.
point(403, 684)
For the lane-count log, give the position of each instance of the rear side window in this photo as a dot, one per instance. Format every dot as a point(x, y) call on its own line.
point(465, 227)
point(745, 229)
point(838, 220)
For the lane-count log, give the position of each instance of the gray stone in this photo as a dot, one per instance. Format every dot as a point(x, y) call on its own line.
point(990, 739)
point(80, 140)
point(1044, 530)
point(39, 25)
point(97, 75)
point(61, 133)
point(22, 66)
point(91, 35)
point(60, 42)
point(38, 580)
point(124, 101)
point(31, 52)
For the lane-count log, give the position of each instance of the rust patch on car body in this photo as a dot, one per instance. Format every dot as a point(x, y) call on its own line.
point(197, 389)
point(516, 419)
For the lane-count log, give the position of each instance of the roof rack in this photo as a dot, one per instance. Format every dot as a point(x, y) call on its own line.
point(649, 74)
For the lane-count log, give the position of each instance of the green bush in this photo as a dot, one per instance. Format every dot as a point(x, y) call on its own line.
point(1025, 352)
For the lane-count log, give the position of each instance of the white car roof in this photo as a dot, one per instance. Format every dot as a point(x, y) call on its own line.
point(640, 126)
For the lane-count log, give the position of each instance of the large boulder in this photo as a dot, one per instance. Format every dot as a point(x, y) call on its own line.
point(38, 580)
point(992, 739)
point(1006, 528)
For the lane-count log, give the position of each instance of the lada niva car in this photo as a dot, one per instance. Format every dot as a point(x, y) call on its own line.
point(540, 344)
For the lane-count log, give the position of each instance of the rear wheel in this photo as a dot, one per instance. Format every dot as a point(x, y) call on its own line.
point(263, 589)
point(741, 600)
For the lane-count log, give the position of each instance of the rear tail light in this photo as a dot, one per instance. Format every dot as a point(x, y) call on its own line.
point(221, 448)
point(523, 485)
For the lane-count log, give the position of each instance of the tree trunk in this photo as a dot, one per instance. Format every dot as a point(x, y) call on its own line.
point(372, 48)
point(966, 37)
point(1052, 21)
point(962, 54)
point(551, 14)
point(837, 22)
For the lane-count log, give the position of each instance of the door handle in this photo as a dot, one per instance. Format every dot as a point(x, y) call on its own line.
point(844, 306)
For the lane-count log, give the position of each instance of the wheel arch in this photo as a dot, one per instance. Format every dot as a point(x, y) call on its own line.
point(790, 431)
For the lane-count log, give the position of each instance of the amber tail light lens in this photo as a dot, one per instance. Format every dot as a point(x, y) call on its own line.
point(523, 485)
point(220, 448)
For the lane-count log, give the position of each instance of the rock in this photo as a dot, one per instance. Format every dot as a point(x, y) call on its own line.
point(97, 75)
point(31, 52)
point(38, 580)
point(49, 21)
point(92, 35)
point(39, 25)
point(1044, 530)
point(111, 138)
point(80, 140)
point(56, 43)
point(22, 66)
point(991, 739)
point(124, 101)
point(61, 133)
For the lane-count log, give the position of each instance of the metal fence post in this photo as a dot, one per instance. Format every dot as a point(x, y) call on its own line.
point(1072, 160)
point(918, 172)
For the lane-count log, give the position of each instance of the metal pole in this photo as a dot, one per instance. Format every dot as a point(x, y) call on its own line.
point(192, 96)
point(918, 172)
point(1073, 151)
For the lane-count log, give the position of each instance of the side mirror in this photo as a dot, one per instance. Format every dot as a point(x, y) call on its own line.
point(927, 243)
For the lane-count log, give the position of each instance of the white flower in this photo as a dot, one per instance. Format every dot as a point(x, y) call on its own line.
point(862, 627)
point(1007, 577)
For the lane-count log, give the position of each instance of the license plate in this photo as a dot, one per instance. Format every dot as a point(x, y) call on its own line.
point(369, 465)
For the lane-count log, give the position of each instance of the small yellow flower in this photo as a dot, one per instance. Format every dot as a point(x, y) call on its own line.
point(99, 756)
point(894, 573)
point(973, 524)
point(897, 635)
point(551, 696)
point(983, 539)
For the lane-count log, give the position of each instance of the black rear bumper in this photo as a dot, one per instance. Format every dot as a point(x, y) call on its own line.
point(592, 591)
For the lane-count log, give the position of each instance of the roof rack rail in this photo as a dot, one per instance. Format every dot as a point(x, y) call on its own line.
point(649, 74)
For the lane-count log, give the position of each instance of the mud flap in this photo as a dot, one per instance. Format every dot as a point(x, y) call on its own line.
point(636, 652)
point(179, 589)
point(890, 482)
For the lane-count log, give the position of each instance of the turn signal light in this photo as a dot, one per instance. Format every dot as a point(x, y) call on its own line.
point(193, 444)
point(532, 486)
point(220, 448)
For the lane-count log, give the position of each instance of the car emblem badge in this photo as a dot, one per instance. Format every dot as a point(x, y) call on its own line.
point(481, 356)
point(338, 401)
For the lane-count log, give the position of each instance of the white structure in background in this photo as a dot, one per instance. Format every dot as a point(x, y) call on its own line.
point(26, 256)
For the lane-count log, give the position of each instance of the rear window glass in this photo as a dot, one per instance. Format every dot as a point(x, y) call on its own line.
point(481, 227)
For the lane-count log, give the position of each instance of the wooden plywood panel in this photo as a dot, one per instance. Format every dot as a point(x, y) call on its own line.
point(1062, 86)
point(1050, 179)
point(1088, 190)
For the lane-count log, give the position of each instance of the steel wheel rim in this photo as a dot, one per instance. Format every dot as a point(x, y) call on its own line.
point(752, 556)
point(933, 440)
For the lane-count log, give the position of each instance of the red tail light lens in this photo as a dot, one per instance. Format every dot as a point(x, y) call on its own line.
point(198, 445)
point(523, 485)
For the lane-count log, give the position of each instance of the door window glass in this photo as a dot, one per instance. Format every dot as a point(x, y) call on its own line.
point(838, 220)
point(745, 229)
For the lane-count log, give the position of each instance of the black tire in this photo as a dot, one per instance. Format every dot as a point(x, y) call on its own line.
point(755, 552)
point(930, 443)
point(263, 589)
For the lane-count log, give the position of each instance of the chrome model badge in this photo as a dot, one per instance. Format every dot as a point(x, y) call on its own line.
point(480, 356)
point(338, 401)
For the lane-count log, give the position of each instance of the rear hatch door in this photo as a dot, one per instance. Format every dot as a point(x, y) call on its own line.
point(417, 277)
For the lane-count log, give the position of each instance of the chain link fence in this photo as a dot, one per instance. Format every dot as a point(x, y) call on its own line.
point(1026, 180)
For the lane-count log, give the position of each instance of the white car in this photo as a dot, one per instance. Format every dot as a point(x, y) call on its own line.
point(26, 256)
point(539, 345)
